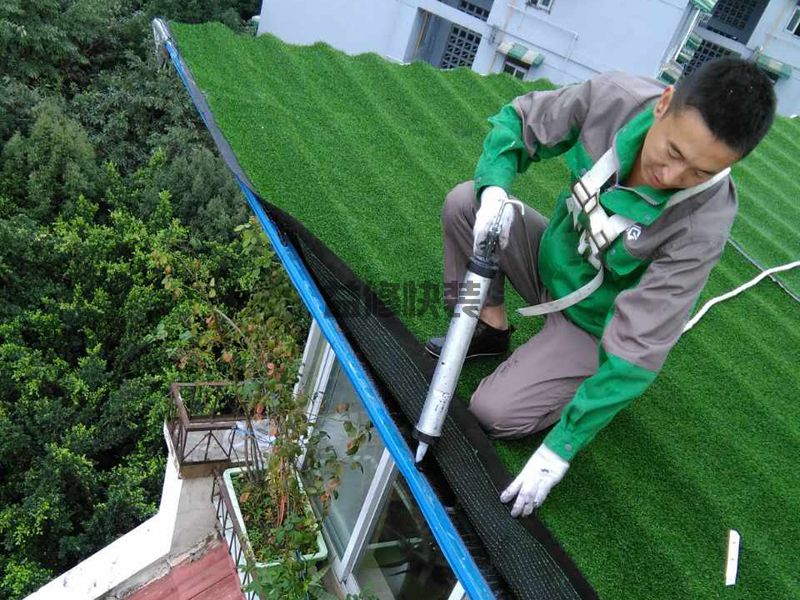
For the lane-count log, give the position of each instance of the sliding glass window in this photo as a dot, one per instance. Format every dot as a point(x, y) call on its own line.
point(339, 412)
point(379, 541)
point(402, 559)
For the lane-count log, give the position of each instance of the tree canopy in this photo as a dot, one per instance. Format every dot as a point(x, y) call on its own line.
point(112, 201)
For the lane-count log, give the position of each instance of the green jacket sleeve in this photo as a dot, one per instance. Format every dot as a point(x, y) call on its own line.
point(504, 153)
point(615, 385)
point(642, 327)
point(535, 126)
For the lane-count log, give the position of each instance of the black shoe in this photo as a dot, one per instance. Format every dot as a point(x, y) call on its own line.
point(486, 341)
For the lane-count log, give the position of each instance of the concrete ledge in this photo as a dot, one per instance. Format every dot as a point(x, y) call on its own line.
point(185, 522)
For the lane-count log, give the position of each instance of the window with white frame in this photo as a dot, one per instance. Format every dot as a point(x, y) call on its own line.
point(379, 541)
point(794, 22)
point(314, 355)
point(402, 559)
point(515, 67)
point(546, 5)
point(341, 414)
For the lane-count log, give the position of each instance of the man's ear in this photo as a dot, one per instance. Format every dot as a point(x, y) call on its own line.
point(662, 106)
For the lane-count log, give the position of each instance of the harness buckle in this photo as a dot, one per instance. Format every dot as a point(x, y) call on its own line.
point(586, 198)
point(597, 230)
point(599, 238)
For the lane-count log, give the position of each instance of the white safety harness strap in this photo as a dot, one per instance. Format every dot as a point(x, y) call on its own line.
point(558, 305)
point(601, 230)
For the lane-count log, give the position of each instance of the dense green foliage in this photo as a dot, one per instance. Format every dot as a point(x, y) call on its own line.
point(645, 510)
point(110, 192)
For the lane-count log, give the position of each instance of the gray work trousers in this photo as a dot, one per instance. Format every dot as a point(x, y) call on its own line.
point(527, 392)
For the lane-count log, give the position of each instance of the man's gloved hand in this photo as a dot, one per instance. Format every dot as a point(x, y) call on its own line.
point(492, 199)
point(543, 470)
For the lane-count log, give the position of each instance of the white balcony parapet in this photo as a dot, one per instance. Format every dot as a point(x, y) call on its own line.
point(183, 524)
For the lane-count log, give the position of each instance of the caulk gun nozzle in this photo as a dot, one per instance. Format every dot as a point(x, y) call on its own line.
point(422, 448)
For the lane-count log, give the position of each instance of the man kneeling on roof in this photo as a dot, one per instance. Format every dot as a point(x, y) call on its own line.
point(659, 160)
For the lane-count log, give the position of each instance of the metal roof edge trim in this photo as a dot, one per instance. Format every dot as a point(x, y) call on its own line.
point(442, 527)
point(749, 258)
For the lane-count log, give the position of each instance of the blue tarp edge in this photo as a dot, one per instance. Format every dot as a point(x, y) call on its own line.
point(442, 527)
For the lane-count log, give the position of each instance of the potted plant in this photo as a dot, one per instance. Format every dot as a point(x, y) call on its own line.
point(268, 496)
point(255, 347)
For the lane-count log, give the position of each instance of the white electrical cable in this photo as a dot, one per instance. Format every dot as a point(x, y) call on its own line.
point(738, 290)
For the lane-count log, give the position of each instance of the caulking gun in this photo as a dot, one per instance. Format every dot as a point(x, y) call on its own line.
point(480, 272)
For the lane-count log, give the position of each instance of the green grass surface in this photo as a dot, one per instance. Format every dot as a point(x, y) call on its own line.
point(363, 152)
point(769, 200)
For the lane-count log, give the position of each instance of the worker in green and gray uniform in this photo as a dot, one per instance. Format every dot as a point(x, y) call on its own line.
point(670, 153)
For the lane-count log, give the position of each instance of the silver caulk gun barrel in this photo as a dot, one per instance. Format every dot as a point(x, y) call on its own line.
point(480, 272)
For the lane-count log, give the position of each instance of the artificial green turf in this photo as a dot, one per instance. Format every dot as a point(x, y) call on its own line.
point(769, 200)
point(363, 151)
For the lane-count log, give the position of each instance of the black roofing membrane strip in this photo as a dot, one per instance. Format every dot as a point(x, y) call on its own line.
point(523, 552)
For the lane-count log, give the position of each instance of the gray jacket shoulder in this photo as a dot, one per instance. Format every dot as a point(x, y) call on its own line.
point(635, 87)
point(705, 220)
point(615, 98)
point(596, 108)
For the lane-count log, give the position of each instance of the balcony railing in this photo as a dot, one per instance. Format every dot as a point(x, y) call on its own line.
point(233, 535)
point(208, 429)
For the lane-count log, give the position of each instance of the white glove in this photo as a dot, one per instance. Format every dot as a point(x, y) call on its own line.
point(543, 470)
point(492, 199)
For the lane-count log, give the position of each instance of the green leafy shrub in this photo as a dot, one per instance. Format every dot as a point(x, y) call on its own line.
point(50, 167)
point(89, 206)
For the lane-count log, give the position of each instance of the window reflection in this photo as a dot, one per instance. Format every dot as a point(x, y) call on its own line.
point(344, 510)
point(402, 559)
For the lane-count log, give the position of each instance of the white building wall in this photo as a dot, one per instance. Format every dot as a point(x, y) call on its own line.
point(386, 27)
point(354, 26)
point(580, 39)
point(771, 37)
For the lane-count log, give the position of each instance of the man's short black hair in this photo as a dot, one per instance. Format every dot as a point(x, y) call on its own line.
point(734, 97)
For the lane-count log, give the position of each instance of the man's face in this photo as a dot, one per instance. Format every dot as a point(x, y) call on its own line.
point(679, 150)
